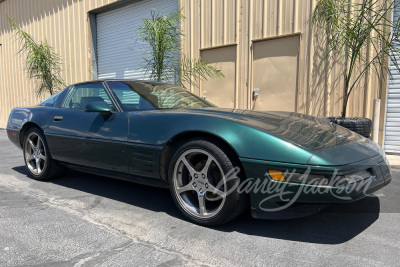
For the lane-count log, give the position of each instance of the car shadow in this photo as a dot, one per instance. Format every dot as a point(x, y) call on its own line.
point(336, 224)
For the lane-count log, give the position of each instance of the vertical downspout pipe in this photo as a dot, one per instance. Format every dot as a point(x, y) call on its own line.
point(375, 120)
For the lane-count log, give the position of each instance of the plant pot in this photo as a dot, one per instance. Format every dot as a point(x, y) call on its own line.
point(362, 126)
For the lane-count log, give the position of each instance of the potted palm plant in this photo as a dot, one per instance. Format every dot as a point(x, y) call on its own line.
point(165, 61)
point(42, 63)
point(349, 29)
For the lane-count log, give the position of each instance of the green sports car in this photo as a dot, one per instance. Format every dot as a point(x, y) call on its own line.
point(216, 162)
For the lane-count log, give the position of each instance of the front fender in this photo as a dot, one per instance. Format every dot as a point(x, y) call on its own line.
point(157, 128)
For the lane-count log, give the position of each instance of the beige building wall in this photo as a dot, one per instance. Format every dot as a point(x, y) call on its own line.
point(65, 24)
point(247, 24)
point(234, 27)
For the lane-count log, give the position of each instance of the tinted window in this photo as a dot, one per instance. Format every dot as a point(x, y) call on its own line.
point(129, 99)
point(148, 95)
point(49, 102)
point(81, 95)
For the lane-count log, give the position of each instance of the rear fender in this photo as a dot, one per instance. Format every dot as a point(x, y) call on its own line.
point(20, 118)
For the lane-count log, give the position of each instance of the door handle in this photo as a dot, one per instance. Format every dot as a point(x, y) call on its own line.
point(58, 118)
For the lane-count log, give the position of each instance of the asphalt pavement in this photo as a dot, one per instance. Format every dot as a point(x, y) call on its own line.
point(88, 220)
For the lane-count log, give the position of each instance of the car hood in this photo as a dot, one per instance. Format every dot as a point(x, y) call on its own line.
point(324, 139)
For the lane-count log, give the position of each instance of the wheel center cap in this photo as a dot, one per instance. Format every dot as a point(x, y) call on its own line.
point(200, 186)
point(36, 154)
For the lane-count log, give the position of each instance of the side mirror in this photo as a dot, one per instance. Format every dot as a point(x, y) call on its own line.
point(98, 106)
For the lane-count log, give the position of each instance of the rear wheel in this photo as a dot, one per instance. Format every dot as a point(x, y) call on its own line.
point(202, 180)
point(37, 157)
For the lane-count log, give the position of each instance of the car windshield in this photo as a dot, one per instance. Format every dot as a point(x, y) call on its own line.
point(136, 95)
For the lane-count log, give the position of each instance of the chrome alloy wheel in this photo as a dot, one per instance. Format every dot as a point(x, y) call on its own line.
point(199, 183)
point(35, 154)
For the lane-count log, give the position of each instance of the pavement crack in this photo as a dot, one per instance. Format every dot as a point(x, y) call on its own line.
point(100, 256)
point(86, 258)
point(71, 206)
point(95, 203)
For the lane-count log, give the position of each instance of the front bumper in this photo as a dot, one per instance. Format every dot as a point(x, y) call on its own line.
point(278, 200)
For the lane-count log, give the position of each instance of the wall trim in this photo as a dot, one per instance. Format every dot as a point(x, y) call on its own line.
point(217, 46)
point(277, 37)
point(112, 6)
point(93, 31)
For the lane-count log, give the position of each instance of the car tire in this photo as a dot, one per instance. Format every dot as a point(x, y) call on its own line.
point(203, 183)
point(362, 126)
point(38, 160)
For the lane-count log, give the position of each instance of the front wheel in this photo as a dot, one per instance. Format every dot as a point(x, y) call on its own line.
point(203, 179)
point(37, 157)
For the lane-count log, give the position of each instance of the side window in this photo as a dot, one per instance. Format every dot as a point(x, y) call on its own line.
point(127, 97)
point(49, 102)
point(81, 95)
point(130, 99)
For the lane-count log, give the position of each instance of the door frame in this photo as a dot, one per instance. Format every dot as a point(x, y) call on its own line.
point(251, 67)
point(236, 92)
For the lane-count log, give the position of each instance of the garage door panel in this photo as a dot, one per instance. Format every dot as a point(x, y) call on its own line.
point(393, 138)
point(392, 124)
point(394, 82)
point(394, 129)
point(392, 143)
point(392, 148)
point(119, 53)
point(389, 120)
point(393, 95)
point(394, 90)
point(395, 109)
point(393, 115)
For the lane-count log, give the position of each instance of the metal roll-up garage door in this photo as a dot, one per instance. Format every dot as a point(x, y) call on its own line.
point(392, 124)
point(119, 51)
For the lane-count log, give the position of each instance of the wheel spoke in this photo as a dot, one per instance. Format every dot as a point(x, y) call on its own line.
point(35, 153)
point(38, 143)
point(207, 166)
point(30, 158)
point(216, 191)
point(32, 145)
point(185, 188)
point(202, 204)
point(191, 170)
point(39, 169)
point(203, 168)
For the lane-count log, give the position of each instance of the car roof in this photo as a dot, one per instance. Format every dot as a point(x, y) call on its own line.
point(120, 80)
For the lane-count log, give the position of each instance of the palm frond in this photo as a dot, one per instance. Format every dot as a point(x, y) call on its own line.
point(192, 71)
point(43, 64)
point(165, 61)
point(350, 29)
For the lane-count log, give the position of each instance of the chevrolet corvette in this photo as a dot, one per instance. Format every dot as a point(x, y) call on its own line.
point(216, 162)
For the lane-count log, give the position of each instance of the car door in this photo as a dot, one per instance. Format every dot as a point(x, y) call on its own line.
point(67, 128)
point(143, 158)
point(92, 139)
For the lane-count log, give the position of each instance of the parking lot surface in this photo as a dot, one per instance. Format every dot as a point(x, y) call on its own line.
point(88, 220)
